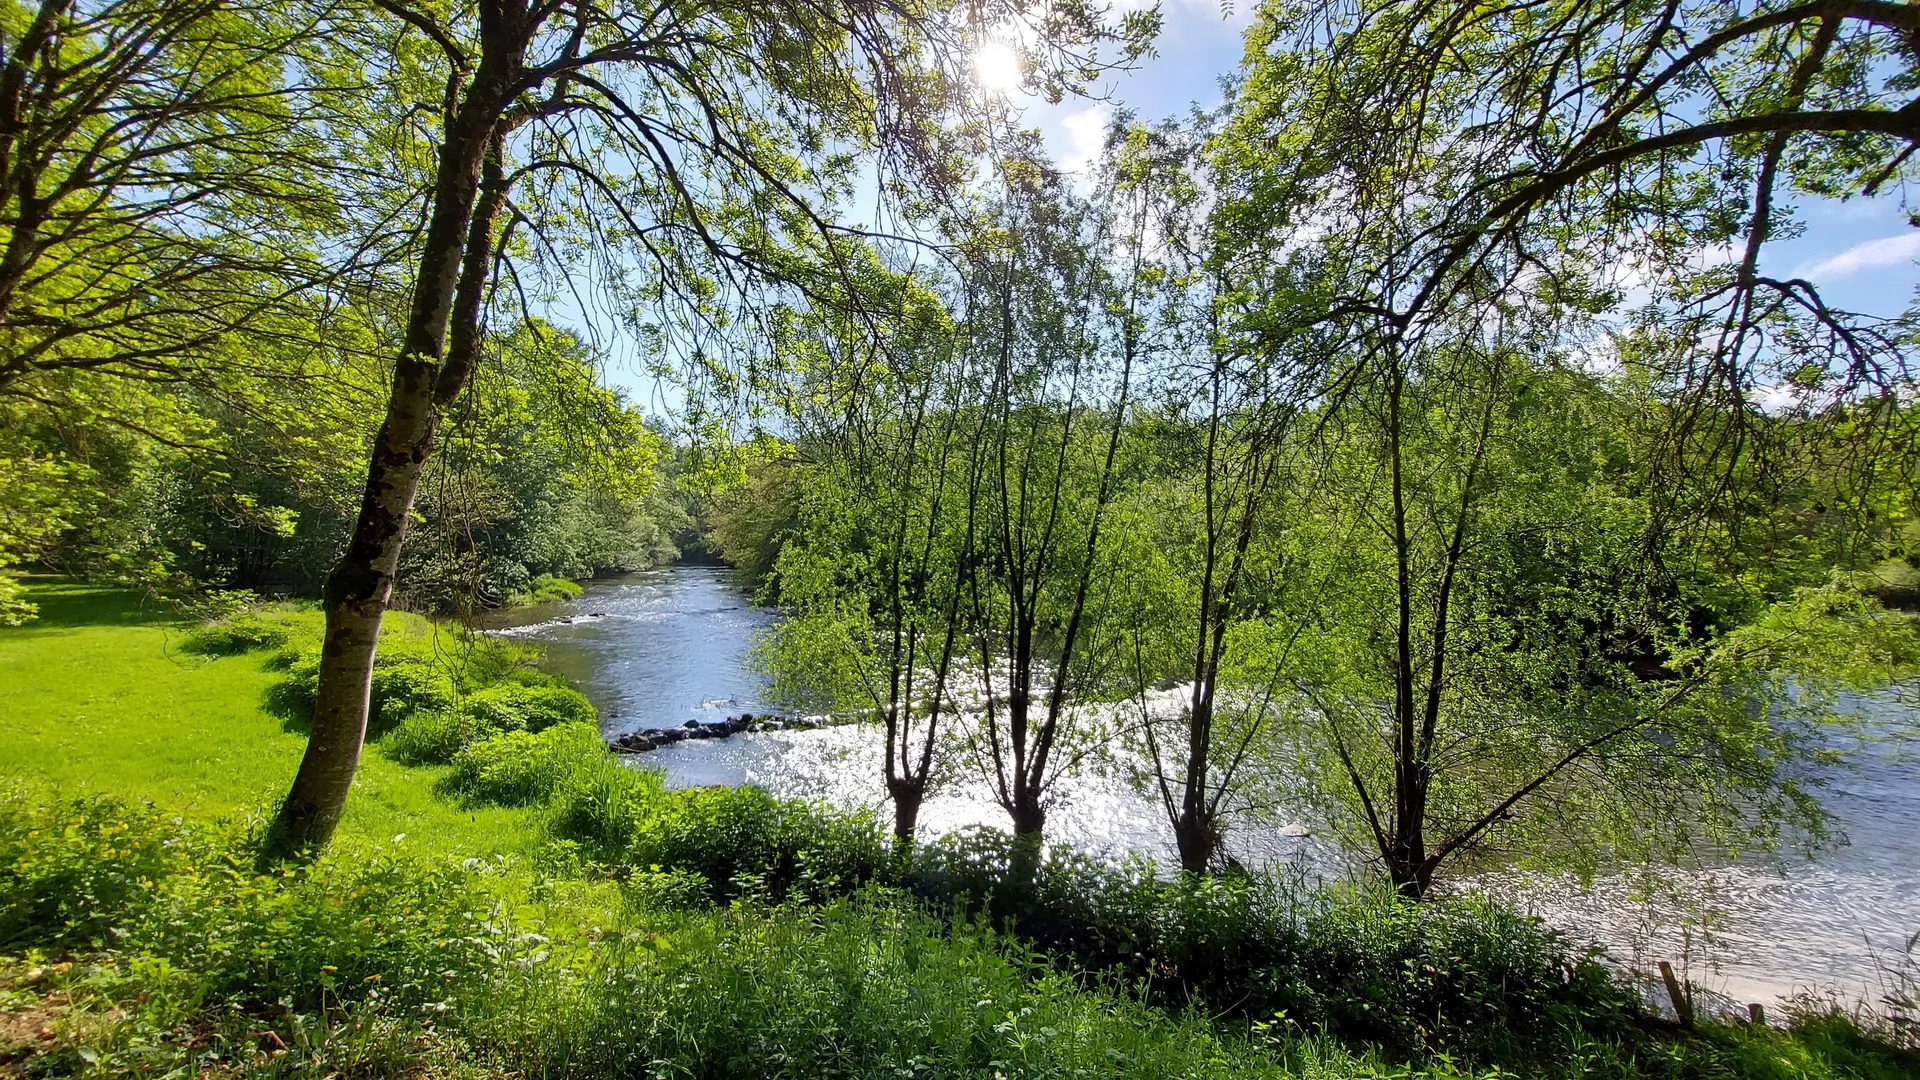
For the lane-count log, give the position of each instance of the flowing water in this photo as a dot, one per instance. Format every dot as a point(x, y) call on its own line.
point(663, 647)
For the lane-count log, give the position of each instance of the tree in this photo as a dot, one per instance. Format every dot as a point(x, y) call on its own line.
point(162, 177)
point(1197, 540)
point(1059, 347)
point(1443, 201)
point(888, 516)
point(699, 146)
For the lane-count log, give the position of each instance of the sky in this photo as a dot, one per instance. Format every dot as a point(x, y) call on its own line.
point(1862, 254)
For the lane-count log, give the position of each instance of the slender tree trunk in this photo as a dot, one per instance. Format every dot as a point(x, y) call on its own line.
point(1406, 853)
point(1029, 827)
point(907, 795)
point(360, 586)
point(1194, 833)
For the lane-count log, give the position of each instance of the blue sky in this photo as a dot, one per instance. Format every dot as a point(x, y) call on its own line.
point(1861, 253)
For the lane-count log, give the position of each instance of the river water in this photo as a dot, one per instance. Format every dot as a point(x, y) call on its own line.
point(663, 647)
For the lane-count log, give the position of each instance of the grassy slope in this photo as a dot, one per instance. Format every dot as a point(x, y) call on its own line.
point(96, 696)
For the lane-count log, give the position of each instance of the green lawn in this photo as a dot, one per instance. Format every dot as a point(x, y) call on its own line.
point(96, 696)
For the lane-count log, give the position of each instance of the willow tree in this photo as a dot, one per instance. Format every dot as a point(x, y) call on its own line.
point(1478, 212)
point(681, 160)
point(1056, 345)
point(1196, 534)
point(886, 448)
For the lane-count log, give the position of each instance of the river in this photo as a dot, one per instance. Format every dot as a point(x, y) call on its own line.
point(659, 648)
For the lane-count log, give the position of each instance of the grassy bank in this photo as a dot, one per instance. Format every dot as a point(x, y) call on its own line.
point(548, 912)
point(100, 695)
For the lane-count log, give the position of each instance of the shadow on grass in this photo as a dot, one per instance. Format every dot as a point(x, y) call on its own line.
point(68, 606)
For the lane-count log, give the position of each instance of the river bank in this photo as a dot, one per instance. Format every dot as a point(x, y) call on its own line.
point(493, 918)
point(657, 649)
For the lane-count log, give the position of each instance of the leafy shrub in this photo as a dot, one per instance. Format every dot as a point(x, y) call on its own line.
point(419, 669)
point(867, 987)
point(519, 768)
point(340, 929)
point(407, 687)
point(263, 626)
point(1454, 975)
point(98, 874)
point(746, 842)
point(546, 589)
point(72, 871)
point(515, 706)
point(436, 736)
point(429, 738)
point(654, 889)
point(402, 687)
point(603, 804)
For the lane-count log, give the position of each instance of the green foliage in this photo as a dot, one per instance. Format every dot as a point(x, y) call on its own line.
point(96, 697)
point(856, 989)
point(176, 959)
point(748, 523)
point(545, 476)
point(1445, 976)
point(743, 841)
point(262, 626)
point(488, 685)
point(517, 707)
point(92, 873)
point(429, 738)
point(603, 805)
point(434, 736)
point(546, 589)
point(71, 871)
point(552, 478)
point(520, 768)
point(36, 498)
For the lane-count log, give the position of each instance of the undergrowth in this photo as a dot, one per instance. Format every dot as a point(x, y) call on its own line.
point(723, 932)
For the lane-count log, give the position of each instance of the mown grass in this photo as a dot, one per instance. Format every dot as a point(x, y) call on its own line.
point(603, 927)
point(98, 695)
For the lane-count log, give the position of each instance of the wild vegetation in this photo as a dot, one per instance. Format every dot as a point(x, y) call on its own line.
point(1422, 440)
point(573, 934)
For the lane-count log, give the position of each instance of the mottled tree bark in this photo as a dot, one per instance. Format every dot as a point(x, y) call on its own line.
point(437, 356)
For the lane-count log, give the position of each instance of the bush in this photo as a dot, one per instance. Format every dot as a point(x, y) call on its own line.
point(263, 626)
point(520, 768)
point(72, 871)
point(436, 737)
point(429, 738)
point(517, 707)
point(99, 874)
point(420, 670)
point(864, 988)
point(1452, 975)
point(403, 685)
point(603, 804)
point(546, 589)
point(746, 842)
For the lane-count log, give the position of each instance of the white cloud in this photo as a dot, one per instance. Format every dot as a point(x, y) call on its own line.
point(1871, 255)
point(1086, 134)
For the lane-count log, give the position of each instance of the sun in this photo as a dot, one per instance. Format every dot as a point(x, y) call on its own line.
point(996, 66)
